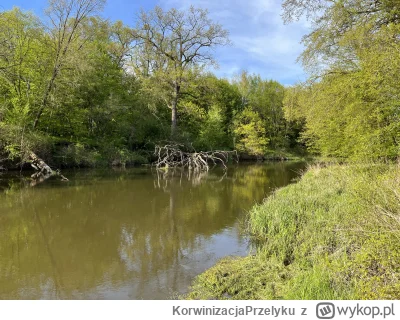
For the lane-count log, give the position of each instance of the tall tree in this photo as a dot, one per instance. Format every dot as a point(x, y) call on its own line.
point(351, 104)
point(66, 18)
point(173, 44)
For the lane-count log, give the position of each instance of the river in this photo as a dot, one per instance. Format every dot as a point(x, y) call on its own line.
point(125, 234)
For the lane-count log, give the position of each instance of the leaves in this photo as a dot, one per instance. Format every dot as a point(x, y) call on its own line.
point(350, 103)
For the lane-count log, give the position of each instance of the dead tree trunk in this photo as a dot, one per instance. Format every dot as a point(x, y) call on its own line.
point(43, 171)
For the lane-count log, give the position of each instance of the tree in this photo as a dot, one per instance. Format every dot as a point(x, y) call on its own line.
point(264, 97)
point(351, 102)
point(207, 112)
point(20, 36)
point(340, 29)
point(250, 133)
point(172, 45)
point(66, 18)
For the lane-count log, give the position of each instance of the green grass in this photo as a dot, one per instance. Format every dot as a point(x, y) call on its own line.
point(332, 235)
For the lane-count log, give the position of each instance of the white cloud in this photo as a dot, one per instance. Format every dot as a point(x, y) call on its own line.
point(262, 43)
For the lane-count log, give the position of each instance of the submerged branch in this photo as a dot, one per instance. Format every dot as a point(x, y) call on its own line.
point(172, 155)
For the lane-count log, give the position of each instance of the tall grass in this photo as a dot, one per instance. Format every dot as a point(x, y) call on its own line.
point(333, 235)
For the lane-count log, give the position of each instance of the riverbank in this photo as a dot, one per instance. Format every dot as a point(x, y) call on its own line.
point(332, 235)
point(81, 157)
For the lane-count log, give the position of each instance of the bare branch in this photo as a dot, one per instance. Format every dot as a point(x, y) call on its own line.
point(172, 156)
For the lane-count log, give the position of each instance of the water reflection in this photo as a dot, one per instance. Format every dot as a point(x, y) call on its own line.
point(124, 235)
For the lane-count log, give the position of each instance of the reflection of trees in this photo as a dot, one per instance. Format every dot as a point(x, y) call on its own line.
point(164, 177)
point(179, 225)
point(256, 181)
point(92, 237)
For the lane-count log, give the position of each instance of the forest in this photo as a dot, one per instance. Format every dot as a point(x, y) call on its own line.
point(82, 91)
point(350, 104)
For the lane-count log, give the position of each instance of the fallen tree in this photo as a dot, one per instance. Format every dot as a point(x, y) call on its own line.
point(43, 170)
point(173, 155)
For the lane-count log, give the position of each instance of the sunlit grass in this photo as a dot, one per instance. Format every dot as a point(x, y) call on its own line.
point(332, 235)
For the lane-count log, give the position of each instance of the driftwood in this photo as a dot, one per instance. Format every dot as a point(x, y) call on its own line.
point(43, 171)
point(172, 155)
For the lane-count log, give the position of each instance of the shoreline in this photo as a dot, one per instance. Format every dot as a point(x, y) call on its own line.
point(332, 235)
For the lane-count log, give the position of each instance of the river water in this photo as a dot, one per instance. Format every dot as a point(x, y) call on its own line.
point(125, 234)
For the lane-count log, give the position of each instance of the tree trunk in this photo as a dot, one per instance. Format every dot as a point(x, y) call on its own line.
point(43, 170)
point(174, 111)
point(39, 165)
point(46, 95)
point(173, 119)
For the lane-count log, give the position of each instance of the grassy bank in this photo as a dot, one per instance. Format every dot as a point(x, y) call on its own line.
point(332, 235)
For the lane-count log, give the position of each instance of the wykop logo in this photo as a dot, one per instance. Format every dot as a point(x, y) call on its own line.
point(325, 310)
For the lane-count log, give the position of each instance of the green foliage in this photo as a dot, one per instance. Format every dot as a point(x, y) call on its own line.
point(78, 155)
point(89, 92)
point(211, 136)
point(91, 102)
point(250, 133)
point(332, 235)
point(262, 100)
point(350, 104)
point(207, 113)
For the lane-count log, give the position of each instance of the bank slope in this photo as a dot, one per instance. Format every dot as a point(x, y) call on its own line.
point(332, 235)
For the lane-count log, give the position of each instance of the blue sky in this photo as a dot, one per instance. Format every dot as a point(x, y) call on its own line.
point(261, 43)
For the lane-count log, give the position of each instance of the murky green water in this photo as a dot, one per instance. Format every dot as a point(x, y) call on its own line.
point(124, 234)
